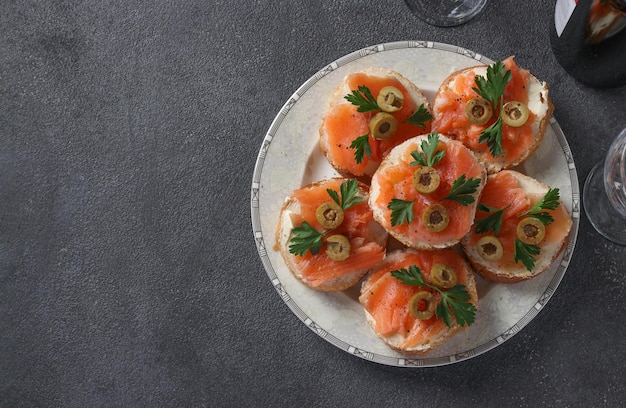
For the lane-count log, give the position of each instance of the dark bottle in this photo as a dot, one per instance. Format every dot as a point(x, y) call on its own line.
point(589, 40)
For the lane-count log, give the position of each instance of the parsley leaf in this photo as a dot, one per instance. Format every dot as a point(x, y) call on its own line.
point(492, 89)
point(493, 137)
point(550, 201)
point(348, 190)
point(412, 276)
point(305, 238)
point(524, 252)
point(428, 157)
point(363, 98)
point(362, 146)
point(454, 300)
point(462, 190)
point(492, 221)
point(401, 211)
point(420, 117)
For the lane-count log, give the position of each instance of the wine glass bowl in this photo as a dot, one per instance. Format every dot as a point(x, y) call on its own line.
point(446, 13)
point(604, 193)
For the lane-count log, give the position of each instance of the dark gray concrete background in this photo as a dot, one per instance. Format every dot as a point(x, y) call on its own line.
point(129, 276)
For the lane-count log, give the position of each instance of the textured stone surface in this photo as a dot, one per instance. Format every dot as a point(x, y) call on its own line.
point(129, 275)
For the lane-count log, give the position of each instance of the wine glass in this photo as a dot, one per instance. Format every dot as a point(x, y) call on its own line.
point(604, 193)
point(446, 13)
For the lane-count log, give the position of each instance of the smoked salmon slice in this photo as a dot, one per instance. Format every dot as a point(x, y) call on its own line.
point(315, 268)
point(513, 194)
point(386, 299)
point(343, 123)
point(518, 143)
point(394, 181)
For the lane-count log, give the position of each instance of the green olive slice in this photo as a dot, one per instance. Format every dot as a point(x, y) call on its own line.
point(443, 276)
point(531, 231)
point(422, 305)
point(383, 125)
point(478, 111)
point(390, 99)
point(490, 248)
point(426, 179)
point(338, 247)
point(329, 215)
point(435, 217)
point(514, 113)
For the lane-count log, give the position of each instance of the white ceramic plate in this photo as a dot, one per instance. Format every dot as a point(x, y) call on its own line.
point(290, 157)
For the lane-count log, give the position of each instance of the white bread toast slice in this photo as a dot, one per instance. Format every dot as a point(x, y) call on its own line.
point(334, 151)
point(506, 270)
point(415, 236)
point(450, 92)
point(418, 337)
point(370, 236)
